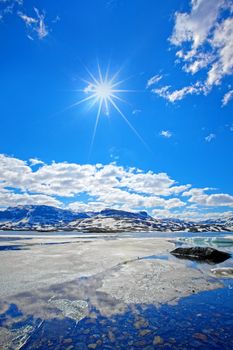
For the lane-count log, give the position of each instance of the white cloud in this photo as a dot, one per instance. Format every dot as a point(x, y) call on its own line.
point(213, 200)
point(200, 197)
point(35, 161)
point(153, 80)
point(8, 7)
point(227, 97)
point(177, 95)
point(196, 191)
point(210, 137)
point(118, 197)
point(136, 111)
point(202, 60)
point(102, 185)
point(109, 184)
point(28, 20)
point(9, 198)
point(195, 26)
point(222, 43)
point(203, 38)
point(191, 215)
point(35, 24)
point(84, 207)
point(220, 199)
point(166, 133)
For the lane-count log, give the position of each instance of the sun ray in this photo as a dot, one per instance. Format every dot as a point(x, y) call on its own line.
point(111, 81)
point(124, 90)
point(86, 81)
point(91, 75)
point(106, 106)
point(117, 83)
point(100, 74)
point(129, 124)
point(95, 127)
point(107, 72)
point(121, 99)
point(78, 103)
point(93, 103)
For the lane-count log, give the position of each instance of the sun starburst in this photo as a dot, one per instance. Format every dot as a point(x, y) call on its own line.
point(104, 92)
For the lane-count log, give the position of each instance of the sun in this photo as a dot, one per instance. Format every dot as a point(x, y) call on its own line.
point(103, 91)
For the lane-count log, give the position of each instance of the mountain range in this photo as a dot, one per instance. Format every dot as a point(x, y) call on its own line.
point(47, 218)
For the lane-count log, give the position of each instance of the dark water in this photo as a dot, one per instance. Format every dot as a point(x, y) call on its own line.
point(200, 321)
point(10, 247)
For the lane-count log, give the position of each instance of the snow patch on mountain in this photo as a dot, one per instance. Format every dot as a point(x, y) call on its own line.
point(47, 218)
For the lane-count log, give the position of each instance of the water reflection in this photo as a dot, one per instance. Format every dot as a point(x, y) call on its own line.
point(198, 321)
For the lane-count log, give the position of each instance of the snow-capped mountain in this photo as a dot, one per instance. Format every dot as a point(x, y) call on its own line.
point(225, 220)
point(37, 215)
point(47, 218)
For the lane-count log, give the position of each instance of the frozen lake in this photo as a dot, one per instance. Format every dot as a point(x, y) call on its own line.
point(121, 291)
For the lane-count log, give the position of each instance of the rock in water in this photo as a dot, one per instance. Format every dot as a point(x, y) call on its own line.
point(223, 272)
point(76, 310)
point(207, 254)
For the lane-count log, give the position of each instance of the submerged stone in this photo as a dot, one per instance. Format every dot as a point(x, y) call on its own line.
point(144, 332)
point(76, 310)
point(141, 323)
point(158, 340)
point(207, 254)
point(200, 336)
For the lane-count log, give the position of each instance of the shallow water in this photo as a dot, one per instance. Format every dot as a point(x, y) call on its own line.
point(199, 321)
point(202, 320)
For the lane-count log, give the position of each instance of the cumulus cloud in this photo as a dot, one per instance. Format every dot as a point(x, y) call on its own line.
point(203, 38)
point(210, 137)
point(190, 214)
point(209, 36)
point(110, 185)
point(35, 161)
point(103, 186)
point(227, 98)
point(9, 198)
point(84, 207)
point(200, 197)
point(196, 25)
point(166, 133)
point(222, 43)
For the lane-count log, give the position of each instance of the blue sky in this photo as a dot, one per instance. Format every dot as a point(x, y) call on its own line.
point(170, 149)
